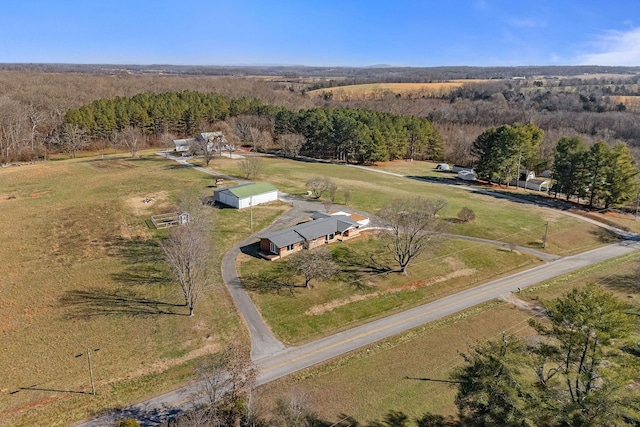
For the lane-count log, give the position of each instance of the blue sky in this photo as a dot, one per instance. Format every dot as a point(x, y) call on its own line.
point(322, 32)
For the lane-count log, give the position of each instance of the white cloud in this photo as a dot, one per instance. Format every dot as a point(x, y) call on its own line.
point(615, 48)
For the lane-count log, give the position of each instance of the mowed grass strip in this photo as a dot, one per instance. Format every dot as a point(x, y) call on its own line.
point(408, 373)
point(496, 217)
point(81, 269)
point(363, 291)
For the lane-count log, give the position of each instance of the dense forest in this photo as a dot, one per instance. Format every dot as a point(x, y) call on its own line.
point(273, 110)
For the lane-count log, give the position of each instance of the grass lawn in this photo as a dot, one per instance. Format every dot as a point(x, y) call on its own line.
point(370, 382)
point(361, 293)
point(82, 269)
point(496, 218)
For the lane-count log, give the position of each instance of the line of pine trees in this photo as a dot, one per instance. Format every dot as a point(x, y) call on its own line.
point(352, 135)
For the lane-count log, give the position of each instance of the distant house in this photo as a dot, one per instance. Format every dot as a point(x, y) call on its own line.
point(245, 195)
point(324, 228)
point(215, 142)
point(458, 168)
point(183, 145)
point(529, 181)
point(467, 174)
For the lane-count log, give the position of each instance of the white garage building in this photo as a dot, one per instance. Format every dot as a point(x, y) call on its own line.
point(245, 195)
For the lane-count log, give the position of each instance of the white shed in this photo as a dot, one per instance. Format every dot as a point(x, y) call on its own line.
point(245, 195)
point(183, 145)
point(443, 167)
point(467, 174)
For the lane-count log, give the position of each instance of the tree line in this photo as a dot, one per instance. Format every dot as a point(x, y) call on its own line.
point(601, 174)
point(351, 135)
point(360, 135)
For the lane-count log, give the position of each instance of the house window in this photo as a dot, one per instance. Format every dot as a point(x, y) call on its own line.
point(329, 237)
point(290, 247)
point(273, 248)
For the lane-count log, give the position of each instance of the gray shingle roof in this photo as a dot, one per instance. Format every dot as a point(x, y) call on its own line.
point(311, 230)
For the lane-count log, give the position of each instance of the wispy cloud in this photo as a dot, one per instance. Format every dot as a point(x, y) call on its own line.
point(615, 48)
point(527, 23)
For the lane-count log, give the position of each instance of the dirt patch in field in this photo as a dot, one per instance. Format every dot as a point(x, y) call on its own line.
point(535, 309)
point(332, 305)
point(142, 204)
point(163, 365)
point(107, 164)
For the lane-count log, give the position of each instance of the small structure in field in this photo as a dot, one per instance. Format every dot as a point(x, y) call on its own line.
point(323, 229)
point(529, 181)
point(443, 167)
point(183, 146)
point(170, 219)
point(246, 195)
point(467, 174)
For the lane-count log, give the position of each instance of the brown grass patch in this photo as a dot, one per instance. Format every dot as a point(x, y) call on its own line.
point(146, 204)
point(380, 90)
point(413, 286)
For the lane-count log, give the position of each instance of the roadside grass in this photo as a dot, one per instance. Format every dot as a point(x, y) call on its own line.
point(368, 383)
point(407, 373)
point(366, 288)
point(81, 269)
point(496, 218)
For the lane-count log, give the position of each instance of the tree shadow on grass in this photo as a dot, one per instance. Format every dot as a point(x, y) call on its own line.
point(360, 262)
point(624, 283)
point(96, 302)
point(605, 236)
point(276, 280)
point(144, 260)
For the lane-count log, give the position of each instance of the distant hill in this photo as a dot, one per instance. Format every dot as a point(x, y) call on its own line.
point(376, 73)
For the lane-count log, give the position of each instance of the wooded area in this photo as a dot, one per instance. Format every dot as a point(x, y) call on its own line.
point(98, 108)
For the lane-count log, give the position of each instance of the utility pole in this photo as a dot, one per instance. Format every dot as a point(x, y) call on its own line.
point(93, 388)
point(251, 212)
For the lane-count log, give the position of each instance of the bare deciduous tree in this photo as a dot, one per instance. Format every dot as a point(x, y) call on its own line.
point(313, 264)
point(413, 227)
point(296, 410)
point(131, 138)
point(187, 250)
point(466, 215)
point(346, 193)
point(72, 139)
point(227, 380)
point(318, 185)
point(291, 143)
point(251, 167)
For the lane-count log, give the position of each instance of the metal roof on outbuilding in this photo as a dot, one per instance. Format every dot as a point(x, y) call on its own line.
point(248, 190)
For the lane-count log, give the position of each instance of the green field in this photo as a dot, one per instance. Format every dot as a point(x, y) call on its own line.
point(408, 373)
point(82, 269)
point(362, 294)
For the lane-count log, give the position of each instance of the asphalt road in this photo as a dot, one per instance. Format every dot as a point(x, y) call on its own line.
point(274, 360)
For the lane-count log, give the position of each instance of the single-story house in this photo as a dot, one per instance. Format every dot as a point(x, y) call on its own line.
point(467, 174)
point(246, 195)
point(215, 142)
point(529, 181)
point(443, 167)
point(458, 168)
point(183, 145)
point(324, 229)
